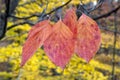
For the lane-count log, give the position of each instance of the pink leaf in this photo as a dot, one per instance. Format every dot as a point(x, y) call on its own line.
point(88, 38)
point(37, 27)
point(70, 20)
point(59, 47)
point(36, 37)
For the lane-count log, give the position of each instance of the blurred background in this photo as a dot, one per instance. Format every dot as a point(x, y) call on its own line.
point(18, 16)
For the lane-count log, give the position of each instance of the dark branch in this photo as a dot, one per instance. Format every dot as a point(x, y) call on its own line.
point(107, 14)
point(100, 2)
point(27, 22)
point(84, 7)
point(20, 23)
point(38, 15)
point(106, 29)
point(58, 8)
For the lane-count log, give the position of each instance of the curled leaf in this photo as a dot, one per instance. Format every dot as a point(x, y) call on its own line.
point(59, 47)
point(88, 38)
point(36, 37)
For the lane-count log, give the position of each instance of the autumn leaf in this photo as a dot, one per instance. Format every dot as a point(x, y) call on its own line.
point(59, 47)
point(36, 37)
point(62, 39)
point(88, 38)
point(70, 20)
point(35, 29)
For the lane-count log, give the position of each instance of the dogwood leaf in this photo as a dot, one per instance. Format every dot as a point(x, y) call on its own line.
point(70, 20)
point(88, 38)
point(36, 37)
point(59, 47)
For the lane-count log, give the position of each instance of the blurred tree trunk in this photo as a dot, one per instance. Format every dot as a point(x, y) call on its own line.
point(7, 7)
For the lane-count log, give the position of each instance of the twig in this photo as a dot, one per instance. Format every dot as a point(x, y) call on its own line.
point(84, 9)
point(19, 74)
point(42, 14)
point(38, 15)
point(114, 49)
point(58, 7)
point(106, 29)
point(20, 23)
point(99, 3)
point(107, 14)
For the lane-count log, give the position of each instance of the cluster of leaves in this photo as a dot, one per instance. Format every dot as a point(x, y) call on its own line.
point(41, 67)
point(44, 69)
point(64, 38)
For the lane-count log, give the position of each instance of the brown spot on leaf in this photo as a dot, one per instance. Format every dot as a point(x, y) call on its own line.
point(96, 29)
point(97, 37)
point(83, 24)
point(92, 25)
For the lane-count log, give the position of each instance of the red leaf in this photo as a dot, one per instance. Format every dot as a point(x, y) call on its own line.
point(35, 29)
point(36, 37)
point(88, 38)
point(71, 20)
point(59, 47)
